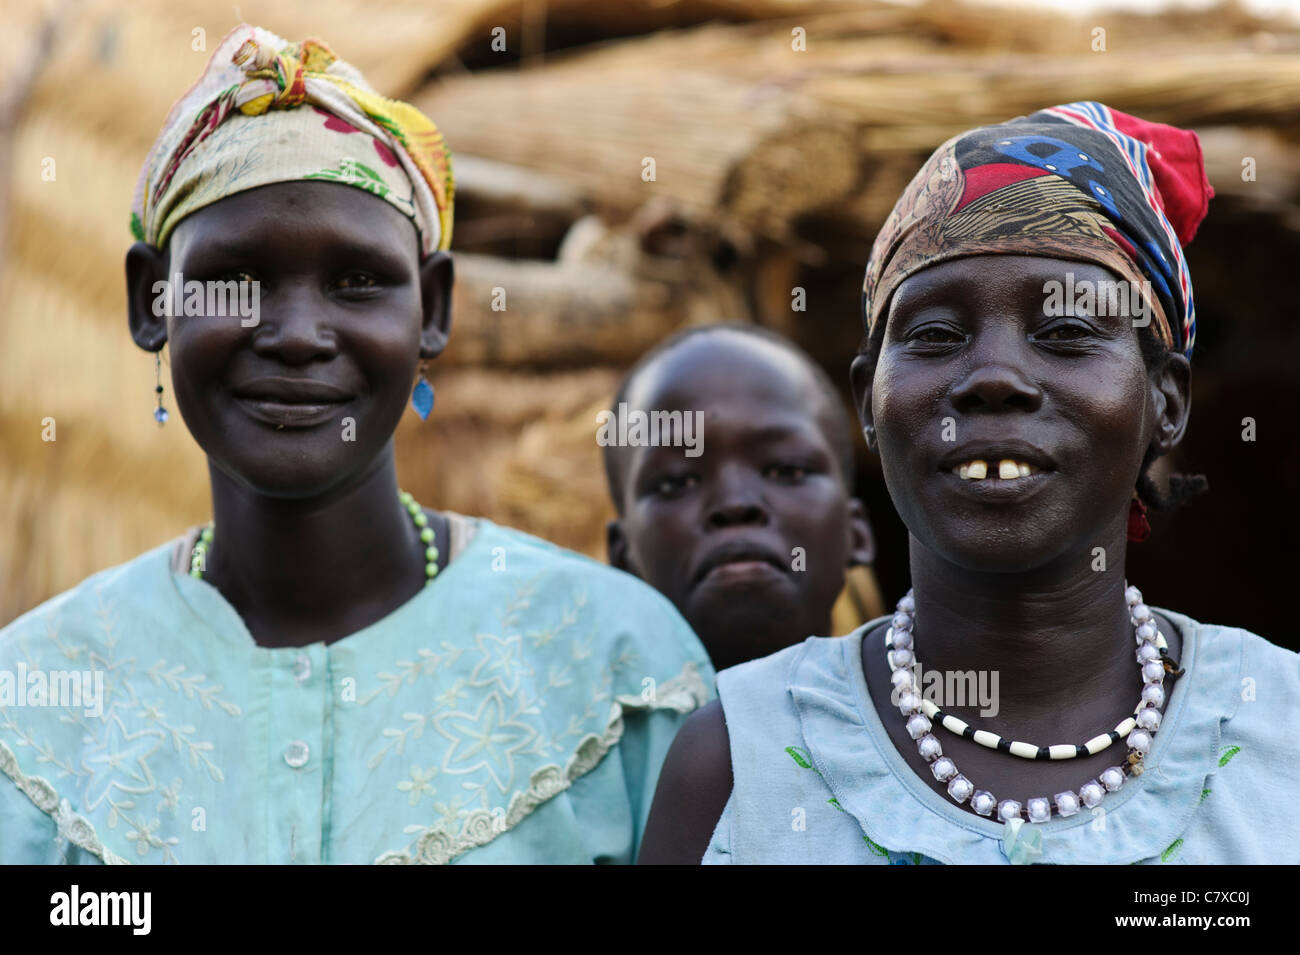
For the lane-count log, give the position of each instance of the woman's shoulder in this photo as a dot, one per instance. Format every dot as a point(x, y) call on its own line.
point(1240, 654)
point(518, 552)
point(626, 614)
point(133, 578)
point(754, 686)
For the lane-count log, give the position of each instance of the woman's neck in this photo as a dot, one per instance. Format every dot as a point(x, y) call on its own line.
point(1058, 638)
point(309, 569)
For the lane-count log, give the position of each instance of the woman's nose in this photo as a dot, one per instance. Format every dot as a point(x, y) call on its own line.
point(293, 326)
point(995, 379)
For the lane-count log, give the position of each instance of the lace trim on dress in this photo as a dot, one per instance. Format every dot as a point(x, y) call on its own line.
point(72, 827)
point(438, 844)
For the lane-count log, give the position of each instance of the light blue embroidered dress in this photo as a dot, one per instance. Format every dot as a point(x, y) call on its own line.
point(817, 779)
point(517, 709)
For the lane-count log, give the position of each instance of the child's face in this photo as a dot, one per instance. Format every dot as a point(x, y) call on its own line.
point(749, 539)
point(311, 394)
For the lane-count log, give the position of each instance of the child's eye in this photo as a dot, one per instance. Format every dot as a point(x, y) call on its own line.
point(673, 484)
point(240, 275)
point(357, 281)
point(785, 472)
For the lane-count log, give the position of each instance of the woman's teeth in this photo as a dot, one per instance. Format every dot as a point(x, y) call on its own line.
point(1007, 470)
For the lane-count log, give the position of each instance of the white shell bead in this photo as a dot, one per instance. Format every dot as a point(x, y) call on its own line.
point(902, 639)
point(1112, 778)
point(1008, 809)
point(929, 747)
point(1153, 671)
point(907, 604)
point(902, 621)
point(1141, 614)
point(960, 788)
point(901, 678)
point(1154, 694)
point(1149, 718)
point(1067, 803)
point(1090, 793)
point(901, 659)
point(1132, 596)
point(943, 769)
point(1139, 740)
point(909, 703)
point(917, 726)
point(983, 802)
point(1147, 632)
point(1039, 809)
point(1147, 652)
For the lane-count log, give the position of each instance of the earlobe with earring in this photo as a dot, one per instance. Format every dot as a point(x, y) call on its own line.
point(159, 413)
point(1139, 528)
point(422, 396)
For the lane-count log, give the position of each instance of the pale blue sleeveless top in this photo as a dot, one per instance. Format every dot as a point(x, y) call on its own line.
point(817, 779)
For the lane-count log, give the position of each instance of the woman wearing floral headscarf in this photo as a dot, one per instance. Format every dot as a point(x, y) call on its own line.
point(1029, 320)
point(327, 672)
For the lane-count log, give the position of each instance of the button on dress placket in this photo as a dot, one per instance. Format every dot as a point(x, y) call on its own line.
point(299, 704)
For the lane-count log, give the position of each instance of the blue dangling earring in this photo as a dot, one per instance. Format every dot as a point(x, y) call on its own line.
point(422, 397)
point(159, 413)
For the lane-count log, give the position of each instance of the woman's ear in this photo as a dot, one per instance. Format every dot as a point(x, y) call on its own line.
point(436, 279)
point(860, 374)
point(146, 299)
point(1171, 394)
point(862, 542)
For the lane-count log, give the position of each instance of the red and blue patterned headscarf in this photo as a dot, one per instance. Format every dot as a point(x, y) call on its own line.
point(1080, 181)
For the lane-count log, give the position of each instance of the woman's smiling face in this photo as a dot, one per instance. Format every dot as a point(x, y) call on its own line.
point(313, 392)
point(973, 368)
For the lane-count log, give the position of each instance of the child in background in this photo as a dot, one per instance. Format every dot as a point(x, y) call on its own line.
point(749, 527)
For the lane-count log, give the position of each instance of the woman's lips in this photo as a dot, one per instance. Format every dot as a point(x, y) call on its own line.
point(290, 414)
point(994, 488)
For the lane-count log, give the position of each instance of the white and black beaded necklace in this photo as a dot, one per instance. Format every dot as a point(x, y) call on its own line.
point(1138, 729)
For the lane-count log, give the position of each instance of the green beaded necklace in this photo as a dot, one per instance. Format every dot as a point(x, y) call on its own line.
point(199, 556)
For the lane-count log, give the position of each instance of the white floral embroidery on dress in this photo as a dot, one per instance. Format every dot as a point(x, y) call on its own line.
point(115, 769)
point(439, 844)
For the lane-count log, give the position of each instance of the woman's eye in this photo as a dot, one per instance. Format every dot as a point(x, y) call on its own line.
point(240, 275)
point(1064, 333)
point(936, 335)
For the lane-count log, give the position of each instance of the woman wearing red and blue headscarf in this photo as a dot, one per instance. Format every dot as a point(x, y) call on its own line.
point(1029, 320)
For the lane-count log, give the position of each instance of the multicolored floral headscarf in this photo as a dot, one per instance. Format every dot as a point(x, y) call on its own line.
point(1080, 181)
point(266, 111)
